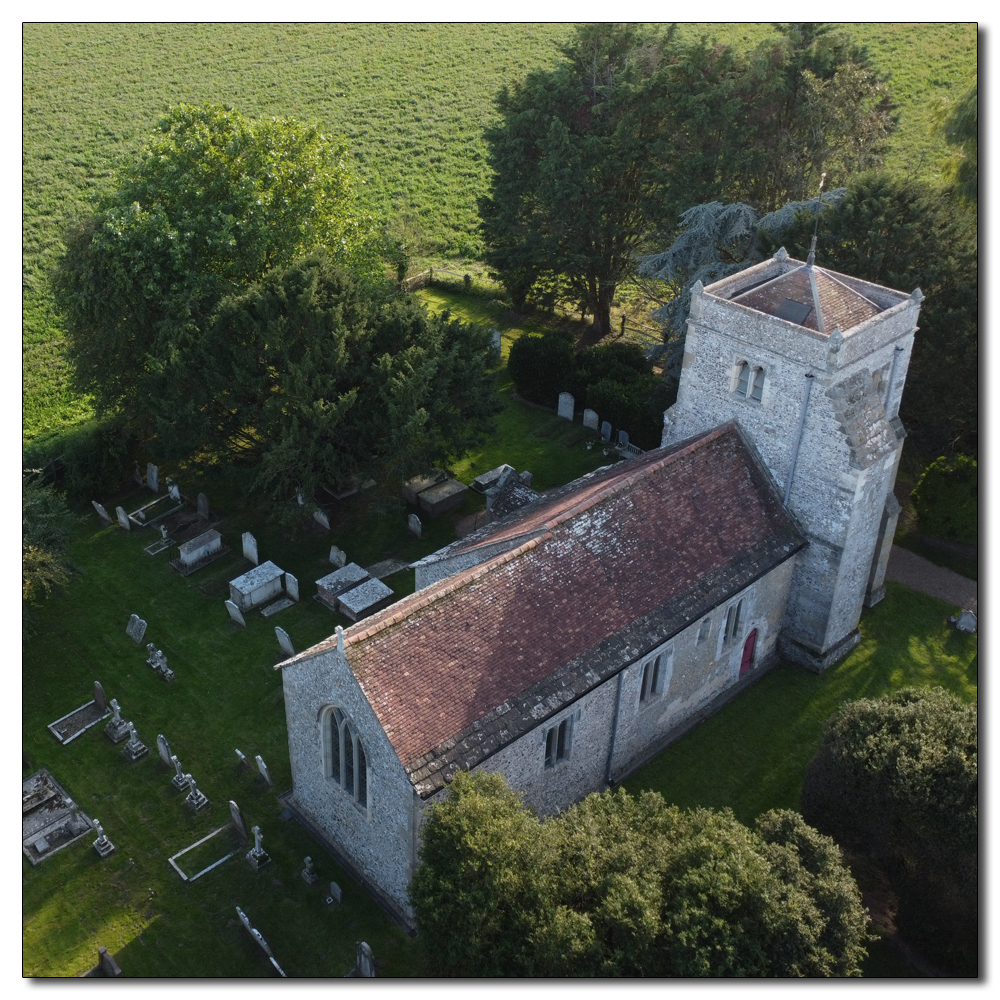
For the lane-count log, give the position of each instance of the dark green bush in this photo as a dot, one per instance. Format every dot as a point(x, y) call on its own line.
point(542, 367)
point(947, 499)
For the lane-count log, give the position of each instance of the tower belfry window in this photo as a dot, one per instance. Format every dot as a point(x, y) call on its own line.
point(750, 383)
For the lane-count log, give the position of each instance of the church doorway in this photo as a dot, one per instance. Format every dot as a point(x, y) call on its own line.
point(748, 646)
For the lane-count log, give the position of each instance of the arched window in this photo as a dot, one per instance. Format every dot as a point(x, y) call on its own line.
point(743, 385)
point(750, 383)
point(757, 389)
point(346, 763)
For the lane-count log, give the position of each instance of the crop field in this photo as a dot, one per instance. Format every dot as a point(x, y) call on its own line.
point(412, 100)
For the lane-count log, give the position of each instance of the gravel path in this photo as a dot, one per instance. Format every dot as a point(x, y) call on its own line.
point(920, 574)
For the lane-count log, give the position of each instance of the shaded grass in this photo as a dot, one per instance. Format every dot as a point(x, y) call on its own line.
point(965, 565)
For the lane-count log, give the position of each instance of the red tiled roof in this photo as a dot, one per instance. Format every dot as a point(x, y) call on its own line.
point(619, 545)
point(840, 305)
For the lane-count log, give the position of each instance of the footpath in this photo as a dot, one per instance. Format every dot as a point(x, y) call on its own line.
point(921, 574)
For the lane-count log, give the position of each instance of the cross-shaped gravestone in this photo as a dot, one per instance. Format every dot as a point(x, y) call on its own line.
point(179, 780)
point(123, 520)
point(135, 629)
point(283, 641)
point(235, 613)
point(262, 767)
point(250, 548)
point(291, 586)
point(152, 477)
point(101, 511)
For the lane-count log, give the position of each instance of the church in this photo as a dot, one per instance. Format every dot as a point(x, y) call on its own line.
point(567, 642)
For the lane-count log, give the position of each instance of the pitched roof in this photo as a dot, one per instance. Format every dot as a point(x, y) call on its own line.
point(607, 568)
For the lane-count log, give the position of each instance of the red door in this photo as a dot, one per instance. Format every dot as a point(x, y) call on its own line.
point(748, 646)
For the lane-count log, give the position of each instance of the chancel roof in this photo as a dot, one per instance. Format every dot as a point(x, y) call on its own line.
point(602, 571)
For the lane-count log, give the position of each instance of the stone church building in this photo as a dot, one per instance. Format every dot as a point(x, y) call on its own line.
point(567, 642)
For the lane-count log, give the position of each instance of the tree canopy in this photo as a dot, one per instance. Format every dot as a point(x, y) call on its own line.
point(594, 160)
point(45, 526)
point(961, 129)
point(896, 782)
point(623, 886)
point(213, 202)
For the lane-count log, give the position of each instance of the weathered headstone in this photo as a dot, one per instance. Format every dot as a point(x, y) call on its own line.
point(495, 341)
point(235, 613)
point(299, 498)
point(135, 629)
point(566, 405)
point(364, 961)
point(152, 477)
point(291, 586)
point(239, 823)
point(262, 767)
point(242, 757)
point(250, 548)
point(102, 845)
point(99, 698)
point(164, 747)
point(203, 506)
point(338, 557)
point(591, 419)
point(180, 779)
point(101, 511)
point(525, 477)
point(164, 534)
point(173, 490)
point(413, 525)
point(309, 873)
point(605, 430)
point(283, 641)
point(335, 893)
point(967, 622)
point(623, 437)
point(137, 474)
point(319, 516)
point(123, 520)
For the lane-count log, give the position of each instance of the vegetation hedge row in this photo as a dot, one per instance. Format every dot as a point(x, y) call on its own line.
point(947, 499)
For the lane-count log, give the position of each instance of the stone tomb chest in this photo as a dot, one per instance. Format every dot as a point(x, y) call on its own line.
point(257, 586)
point(331, 586)
point(444, 496)
point(199, 548)
point(489, 479)
point(371, 596)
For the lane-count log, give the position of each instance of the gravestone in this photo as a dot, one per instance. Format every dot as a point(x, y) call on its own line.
point(622, 437)
point(102, 845)
point(108, 966)
point(364, 961)
point(283, 641)
point(135, 748)
point(605, 430)
point(137, 475)
point(173, 490)
point(335, 893)
point(495, 339)
point(196, 799)
point(164, 747)
point(239, 823)
point(99, 698)
point(291, 586)
point(199, 548)
point(525, 477)
point(203, 506)
point(413, 525)
point(319, 516)
point(101, 511)
point(123, 520)
point(309, 873)
point(566, 405)
point(262, 767)
point(338, 557)
point(244, 763)
point(590, 419)
point(117, 729)
point(152, 477)
point(235, 613)
point(135, 629)
point(299, 498)
point(967, 622)
point(257, 855)
point(180, 779)
point(164, 534)
point(250, 548)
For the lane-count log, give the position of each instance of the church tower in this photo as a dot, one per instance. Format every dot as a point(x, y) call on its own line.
point(811, 363)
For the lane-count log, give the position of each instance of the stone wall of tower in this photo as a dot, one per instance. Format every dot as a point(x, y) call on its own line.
point(844, 466)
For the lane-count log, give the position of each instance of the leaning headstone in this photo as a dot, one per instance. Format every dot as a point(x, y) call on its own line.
point(335, 893)
point(309, 873)
point(173, 490)
point(250, 548)
point(99, 698)
point(262, 767)
point(364, 961)
point(413, 525)
point(291, 586)
point(239, 823)
point(135, 629)
point(203, 506)
point(590, 419)
point(152, 477)
point(164, 747)
point(338, 557)
point(235, 613)
point(123, 520)
point(605, 430)
point(622, 437)
point(283, 641)
point(319, 516)
point(495, 339)
point(101, 511)
point(102, 845)
point(967, 622)
point(242, 757)
point(566, 405)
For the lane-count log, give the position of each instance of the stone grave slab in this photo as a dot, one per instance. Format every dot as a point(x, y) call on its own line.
point(198, 552)
point(386, 567)
point(567, 404)
point(443, 497)
point(364, 600)
point(135, 629)
point(278, 605)
point(489, 479)
point(412, 488)
point(333, 584)
point(50, 819)
point(204, 871)
point(257, 586)
point(77, 722)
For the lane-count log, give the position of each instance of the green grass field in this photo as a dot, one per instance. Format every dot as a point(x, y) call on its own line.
point(412, 100)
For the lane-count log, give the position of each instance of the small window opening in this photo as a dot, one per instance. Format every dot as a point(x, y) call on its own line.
point(558, 742)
